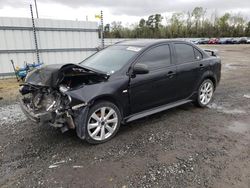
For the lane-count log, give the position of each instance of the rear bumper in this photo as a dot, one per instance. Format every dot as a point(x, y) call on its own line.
point(35, 117)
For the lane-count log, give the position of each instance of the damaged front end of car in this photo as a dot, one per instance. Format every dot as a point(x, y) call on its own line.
point(50, 95)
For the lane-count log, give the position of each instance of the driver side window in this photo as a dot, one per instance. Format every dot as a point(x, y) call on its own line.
point(156, 57)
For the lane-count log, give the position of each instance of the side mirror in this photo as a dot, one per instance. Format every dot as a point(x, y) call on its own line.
point(140, 69)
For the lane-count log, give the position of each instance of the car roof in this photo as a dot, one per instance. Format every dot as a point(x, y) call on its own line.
point(146, 42)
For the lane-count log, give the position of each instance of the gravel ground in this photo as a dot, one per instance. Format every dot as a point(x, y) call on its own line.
point(181, 147)
point(10, 115)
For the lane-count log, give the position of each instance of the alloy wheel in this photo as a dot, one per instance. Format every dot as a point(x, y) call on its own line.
point(206, 92)
point(102, 123)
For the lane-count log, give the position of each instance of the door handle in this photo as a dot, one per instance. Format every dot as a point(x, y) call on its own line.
point(170, 74)
point(201, 66)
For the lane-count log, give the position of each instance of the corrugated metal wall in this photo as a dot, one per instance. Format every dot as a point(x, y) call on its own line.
point(59, 41)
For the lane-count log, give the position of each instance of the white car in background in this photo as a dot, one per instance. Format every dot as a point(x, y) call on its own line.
point(248, 40)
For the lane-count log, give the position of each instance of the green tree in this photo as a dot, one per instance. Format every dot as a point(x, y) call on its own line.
point(198, 14)
point(223, 25)
point(183, 24)
point(142, 23)
point(247, 31)
point(116, 28)
point(176, 27)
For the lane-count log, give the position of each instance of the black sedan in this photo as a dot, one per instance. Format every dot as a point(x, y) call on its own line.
point(119, 84)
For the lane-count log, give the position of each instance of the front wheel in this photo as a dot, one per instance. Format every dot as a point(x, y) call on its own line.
point(103, 122)
point(205, 93)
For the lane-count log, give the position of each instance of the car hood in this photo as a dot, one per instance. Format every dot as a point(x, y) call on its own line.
point(52, 75)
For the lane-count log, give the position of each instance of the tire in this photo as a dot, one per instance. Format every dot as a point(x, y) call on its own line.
point(103, 122)
point(205, 93)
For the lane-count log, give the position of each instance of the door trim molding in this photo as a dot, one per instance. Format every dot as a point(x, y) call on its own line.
point(155, 110)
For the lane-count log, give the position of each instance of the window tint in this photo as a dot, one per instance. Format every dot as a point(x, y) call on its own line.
point(157, 57)
point(198, 54)
point(184, 53)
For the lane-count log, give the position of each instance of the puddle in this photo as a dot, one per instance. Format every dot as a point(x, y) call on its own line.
point(239, 127)
point(228, 66)
point(225, 110)
point(235, 66)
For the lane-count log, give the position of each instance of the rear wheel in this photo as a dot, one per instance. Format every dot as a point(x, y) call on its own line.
point(103, 122)
point(205, 93)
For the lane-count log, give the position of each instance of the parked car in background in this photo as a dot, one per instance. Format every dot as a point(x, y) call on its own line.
point(213, 41)
point(236, 40)
point(243, 40)
point(248, 40)
point(223, 41)
point(203, 41)
point(230, 41)
point(119, 84)
point(195, 40)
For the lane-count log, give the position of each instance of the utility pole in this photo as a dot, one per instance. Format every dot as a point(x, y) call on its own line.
point(102, 32)
point(36, 10)
point(34, 33)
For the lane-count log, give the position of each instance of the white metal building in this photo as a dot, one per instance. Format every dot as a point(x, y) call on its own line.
point(58, 41)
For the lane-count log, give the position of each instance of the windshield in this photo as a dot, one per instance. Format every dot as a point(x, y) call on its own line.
point(111, 59)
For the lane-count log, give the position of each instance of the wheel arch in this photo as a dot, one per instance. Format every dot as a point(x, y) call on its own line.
point(208, 75)
point(108, 98)
point(212, 78)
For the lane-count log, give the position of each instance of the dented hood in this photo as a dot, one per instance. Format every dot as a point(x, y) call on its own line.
point(52, 75)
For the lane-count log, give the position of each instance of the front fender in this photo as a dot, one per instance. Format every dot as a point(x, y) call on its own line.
point(116, 90)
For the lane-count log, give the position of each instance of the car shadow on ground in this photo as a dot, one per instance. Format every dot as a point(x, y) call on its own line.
point(51, 135)
point(152, 119)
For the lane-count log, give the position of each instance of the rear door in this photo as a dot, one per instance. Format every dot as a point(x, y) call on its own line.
point(158, 86)
point(189, 63)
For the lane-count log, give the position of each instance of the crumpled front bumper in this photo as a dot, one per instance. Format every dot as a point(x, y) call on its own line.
point(78, 121)
point(35, 117)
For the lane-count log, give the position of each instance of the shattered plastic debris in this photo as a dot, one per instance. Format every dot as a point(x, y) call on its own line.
point(77, 166)
point(60, 162)
point(57, 164)
point(53, 166)
point(247, 96)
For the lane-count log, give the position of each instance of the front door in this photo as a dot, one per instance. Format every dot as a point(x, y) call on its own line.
point(158, 86)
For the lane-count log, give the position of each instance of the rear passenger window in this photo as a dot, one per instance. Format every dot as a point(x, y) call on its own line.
point(156, 57)
point(184, 53)
point(198, 54)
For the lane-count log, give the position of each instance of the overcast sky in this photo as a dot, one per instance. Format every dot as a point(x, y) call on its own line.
point(127, 11)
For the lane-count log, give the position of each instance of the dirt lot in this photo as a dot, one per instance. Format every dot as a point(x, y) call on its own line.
point(8, 91)
point(182, 147)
